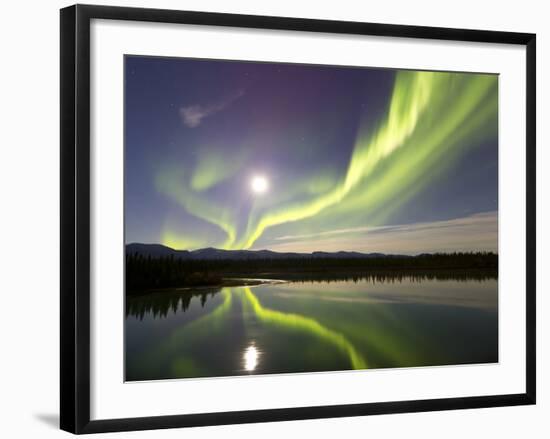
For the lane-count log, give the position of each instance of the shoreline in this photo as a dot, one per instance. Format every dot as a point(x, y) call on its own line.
point(226, 282)
point(272, 278)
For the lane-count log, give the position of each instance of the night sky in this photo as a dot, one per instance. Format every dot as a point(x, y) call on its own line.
point(289, 157)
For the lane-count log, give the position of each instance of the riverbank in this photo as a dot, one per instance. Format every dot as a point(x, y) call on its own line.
point(146, 272)
point(272, 277)
point(223, 283)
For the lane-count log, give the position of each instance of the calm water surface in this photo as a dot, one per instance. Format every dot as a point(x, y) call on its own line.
point(311, 326)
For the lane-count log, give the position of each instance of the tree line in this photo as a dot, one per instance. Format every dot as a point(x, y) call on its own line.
point(146, 272)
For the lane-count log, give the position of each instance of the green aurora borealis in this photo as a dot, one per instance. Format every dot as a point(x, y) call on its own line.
point(405, 142)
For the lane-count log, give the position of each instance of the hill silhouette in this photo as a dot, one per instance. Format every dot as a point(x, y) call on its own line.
point(211, 253)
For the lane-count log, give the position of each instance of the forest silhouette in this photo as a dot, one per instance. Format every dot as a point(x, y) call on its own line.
point(146, 273)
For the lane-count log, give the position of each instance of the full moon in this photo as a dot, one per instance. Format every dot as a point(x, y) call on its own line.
point(259, 184)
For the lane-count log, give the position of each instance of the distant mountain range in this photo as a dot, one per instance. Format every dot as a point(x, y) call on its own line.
point(158, 250)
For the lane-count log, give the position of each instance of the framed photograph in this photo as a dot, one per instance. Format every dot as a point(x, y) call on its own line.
point(268, 218)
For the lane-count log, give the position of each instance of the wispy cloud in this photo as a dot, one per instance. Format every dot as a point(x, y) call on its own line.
point(477, 232)
point(193, 115)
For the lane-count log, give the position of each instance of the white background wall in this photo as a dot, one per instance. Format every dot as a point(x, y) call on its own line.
point(29, 206)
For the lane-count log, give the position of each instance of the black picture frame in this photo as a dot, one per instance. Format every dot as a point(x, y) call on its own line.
point(75, 217)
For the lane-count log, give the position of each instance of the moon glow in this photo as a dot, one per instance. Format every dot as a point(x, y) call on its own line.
point(259, 184)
